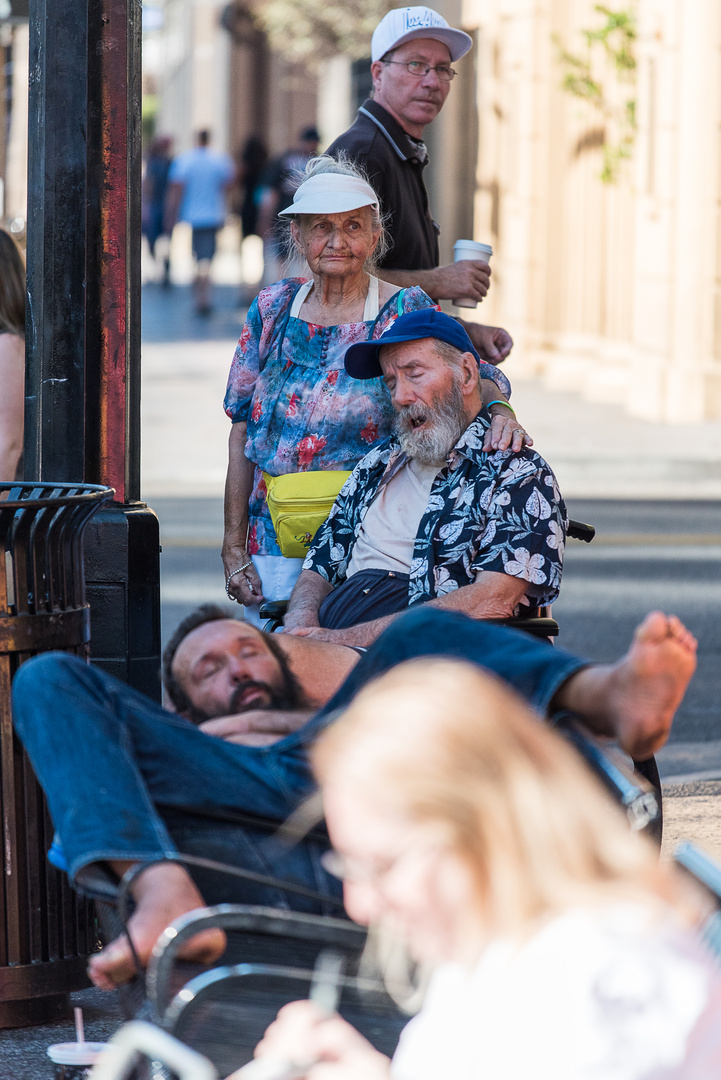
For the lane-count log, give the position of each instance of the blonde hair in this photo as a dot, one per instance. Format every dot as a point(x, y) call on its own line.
point(445, 743)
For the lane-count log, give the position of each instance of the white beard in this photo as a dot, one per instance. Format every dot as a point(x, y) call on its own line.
point(432, 444)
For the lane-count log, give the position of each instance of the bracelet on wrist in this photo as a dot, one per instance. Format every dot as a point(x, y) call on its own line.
point(232, 575)
point(504, 403)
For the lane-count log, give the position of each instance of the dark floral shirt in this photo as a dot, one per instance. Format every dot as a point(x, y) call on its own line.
point(499, 512)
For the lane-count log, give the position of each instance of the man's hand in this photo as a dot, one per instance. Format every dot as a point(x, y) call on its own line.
point(492, 342)
point(469, 278)
point(257, 727)
point(505, 432)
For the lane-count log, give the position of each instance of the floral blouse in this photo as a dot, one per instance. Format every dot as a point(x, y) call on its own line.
point(303, 411)
point(498, 511)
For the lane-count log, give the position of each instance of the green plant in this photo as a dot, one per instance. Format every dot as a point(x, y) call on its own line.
point(610, 48)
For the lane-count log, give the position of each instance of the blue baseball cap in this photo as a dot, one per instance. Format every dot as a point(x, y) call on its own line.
point(362, 361)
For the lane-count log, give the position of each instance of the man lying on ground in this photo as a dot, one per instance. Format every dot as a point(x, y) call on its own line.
point(428, 516)
point(128, 781)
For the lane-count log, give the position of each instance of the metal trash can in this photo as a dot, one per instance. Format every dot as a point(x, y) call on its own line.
point(46, 931)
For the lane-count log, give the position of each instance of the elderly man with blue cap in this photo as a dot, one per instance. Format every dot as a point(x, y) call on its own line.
point(429, 516)
point(412, 52)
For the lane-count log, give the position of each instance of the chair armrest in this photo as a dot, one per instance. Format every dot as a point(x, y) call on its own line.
point(322, 929)
point(199, 987)
point(579, 530)
point(273, 609)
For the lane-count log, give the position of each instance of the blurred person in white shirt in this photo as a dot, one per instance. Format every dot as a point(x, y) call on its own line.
point(558, 947)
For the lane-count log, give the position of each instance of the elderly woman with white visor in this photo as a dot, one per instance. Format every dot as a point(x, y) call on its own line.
point(293, 408)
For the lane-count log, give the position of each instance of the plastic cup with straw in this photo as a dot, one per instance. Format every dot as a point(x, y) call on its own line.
point(74, 1060)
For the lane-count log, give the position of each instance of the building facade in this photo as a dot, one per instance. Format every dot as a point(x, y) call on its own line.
point(610, 289)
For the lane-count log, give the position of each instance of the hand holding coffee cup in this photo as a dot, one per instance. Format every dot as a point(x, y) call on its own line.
point(470, 249)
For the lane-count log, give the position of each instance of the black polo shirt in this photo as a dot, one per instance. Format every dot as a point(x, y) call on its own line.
point(394, 163)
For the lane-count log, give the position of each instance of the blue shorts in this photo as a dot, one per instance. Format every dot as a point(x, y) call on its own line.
point(369, 594)
point(204, 242)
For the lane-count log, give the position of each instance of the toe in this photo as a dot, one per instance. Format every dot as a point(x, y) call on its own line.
point(113, 966)
point(655, 627)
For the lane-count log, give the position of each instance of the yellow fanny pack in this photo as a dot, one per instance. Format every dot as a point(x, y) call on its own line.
point(299, 503)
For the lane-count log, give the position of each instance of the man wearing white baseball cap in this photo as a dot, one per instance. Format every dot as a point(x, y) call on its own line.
point(412, 51)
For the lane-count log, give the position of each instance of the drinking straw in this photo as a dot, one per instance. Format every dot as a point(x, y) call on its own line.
point(79, 1027)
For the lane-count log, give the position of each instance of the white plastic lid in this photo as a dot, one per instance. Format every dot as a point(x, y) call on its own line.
point(473, 245)
point(75, 1053)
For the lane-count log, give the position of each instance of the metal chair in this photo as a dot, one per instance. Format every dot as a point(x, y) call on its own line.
point(222, 1009)
point(223, 1012)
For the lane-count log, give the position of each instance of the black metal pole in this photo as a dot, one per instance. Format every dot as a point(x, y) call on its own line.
point(83, 321)
point(57, 201)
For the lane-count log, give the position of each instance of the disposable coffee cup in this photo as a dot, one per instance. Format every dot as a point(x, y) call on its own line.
point(470, 249)
point(73, 1061)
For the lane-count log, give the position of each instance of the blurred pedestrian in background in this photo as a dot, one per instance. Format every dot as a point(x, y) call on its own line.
point(251, 162)
point(279, 182)
point(12, 357)
point(198, 183)
point(155, 190)
point(250, 166)
point(293, 407)
point(557, 945)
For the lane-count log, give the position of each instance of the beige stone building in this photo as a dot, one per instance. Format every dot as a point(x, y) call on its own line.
point(213, 69)
point(609, 289)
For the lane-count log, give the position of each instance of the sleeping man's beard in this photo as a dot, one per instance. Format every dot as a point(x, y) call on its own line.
point(445, 423)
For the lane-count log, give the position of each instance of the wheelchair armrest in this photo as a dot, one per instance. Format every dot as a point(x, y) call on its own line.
point(273, 609)
point(579, 530)
point(542, 626)
point(538, 626)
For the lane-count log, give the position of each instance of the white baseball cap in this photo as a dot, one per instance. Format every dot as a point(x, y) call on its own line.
point(405, 24)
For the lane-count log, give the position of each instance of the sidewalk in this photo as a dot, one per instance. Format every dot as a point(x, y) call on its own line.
point(597, 451)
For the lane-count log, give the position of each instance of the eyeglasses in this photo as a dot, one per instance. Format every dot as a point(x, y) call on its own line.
point(419, 69)
point(347, 868)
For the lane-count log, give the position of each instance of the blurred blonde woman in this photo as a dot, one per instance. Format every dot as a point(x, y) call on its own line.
point(558, 946)
point(12, 356)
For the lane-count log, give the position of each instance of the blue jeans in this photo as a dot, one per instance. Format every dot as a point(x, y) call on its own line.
point(120, 773)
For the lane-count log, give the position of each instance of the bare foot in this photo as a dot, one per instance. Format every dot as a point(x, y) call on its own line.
point(636, 698)
point(162, 893)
